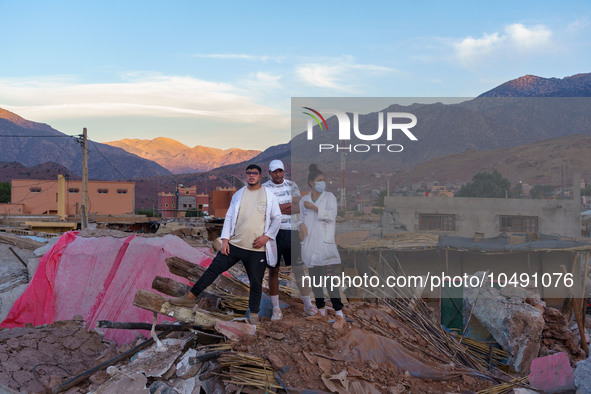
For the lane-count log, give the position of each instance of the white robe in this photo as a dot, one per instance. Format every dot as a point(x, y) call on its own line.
point(319, 248)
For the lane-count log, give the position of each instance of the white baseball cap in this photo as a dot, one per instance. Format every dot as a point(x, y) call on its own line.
point(276, 165)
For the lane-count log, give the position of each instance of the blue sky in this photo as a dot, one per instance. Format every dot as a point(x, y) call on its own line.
point(222, 74)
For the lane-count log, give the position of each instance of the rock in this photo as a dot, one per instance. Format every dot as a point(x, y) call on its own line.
point(583, 376)
point(552, 374)
point(515, 325)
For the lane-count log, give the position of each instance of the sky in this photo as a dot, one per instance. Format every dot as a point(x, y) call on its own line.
point(222, 74)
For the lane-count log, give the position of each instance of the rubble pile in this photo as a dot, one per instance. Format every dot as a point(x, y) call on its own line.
point(556, 337)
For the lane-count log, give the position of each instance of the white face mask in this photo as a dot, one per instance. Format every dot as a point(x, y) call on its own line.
point(320, 186)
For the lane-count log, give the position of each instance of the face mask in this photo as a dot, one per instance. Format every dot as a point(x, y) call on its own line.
point(320, 186)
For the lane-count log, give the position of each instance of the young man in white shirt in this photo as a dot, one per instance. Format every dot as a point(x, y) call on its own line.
point(248, 235)
point(288, 195)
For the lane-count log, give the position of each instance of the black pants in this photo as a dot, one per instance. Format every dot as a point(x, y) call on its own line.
point(254, 263)
point(288, 246)
point(335, 295)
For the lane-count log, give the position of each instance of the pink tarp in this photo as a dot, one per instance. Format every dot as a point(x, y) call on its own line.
point(97, 278)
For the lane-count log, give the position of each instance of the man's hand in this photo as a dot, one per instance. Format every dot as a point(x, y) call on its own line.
point(309, 205)
point(285, 208)
point(259, 242)
point(303, 232)
point(225, 249)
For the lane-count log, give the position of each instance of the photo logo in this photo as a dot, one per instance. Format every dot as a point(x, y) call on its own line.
point(315, 118)
point(393, 125)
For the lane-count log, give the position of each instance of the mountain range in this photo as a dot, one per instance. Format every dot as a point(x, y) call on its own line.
point(32, 143)
point(179, 158)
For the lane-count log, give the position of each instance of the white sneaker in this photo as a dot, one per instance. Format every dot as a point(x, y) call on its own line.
point(310, 311)
point(277, 314)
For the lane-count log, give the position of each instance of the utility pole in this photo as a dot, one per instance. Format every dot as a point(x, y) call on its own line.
point(84, 216)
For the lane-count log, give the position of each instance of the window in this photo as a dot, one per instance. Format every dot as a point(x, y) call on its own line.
point(184, 205)
point(200, 206)
point(166, 205)
point(121, 191)
point(35, 189)
point(520, 224)
point(437, 222)
point(187, 193)
point(103, 191)
point(73, 190)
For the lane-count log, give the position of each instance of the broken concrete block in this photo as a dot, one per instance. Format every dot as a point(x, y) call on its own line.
point(552, 374)
point(583, 376)
point(515, 325)
point(234, 330)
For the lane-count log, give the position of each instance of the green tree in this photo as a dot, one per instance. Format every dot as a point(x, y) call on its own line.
point(540, 192)
point(193, 213)
point(517, 191)
point(586, 191)
point(4, 192)
point(486, 184)
point(151, 213)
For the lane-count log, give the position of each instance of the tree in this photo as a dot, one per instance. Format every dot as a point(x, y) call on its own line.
point(586, 191)
point(485, 184)
point(4, 192)
point(541, 191)
point(517, 191)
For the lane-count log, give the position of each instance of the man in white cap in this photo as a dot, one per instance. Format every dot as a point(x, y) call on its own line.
point(288, 194)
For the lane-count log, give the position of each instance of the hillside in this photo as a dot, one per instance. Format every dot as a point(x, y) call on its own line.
point(179, 158)
point(31, 143)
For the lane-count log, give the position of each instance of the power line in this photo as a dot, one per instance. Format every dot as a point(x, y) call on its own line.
point(111, 164)
point(37, 136)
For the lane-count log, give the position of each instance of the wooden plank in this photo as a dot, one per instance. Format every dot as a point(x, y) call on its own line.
point(193, 272)
point(170, 286)
point(19, 242)
point(159, 304)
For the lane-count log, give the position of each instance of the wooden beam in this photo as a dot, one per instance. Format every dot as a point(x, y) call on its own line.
point(193, 272)
point(159, 304)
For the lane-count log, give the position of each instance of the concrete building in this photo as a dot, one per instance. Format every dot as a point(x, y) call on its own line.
point(42, 196)
point(463, 216)
point(185, 199)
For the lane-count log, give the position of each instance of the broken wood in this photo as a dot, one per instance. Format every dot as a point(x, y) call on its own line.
point(193, 272)
point(159, 304)
point(170, 286)
point(17, 256)
point(68, 384)
point(20, 242)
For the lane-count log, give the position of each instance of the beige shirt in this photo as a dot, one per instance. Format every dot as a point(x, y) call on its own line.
point(250, 223)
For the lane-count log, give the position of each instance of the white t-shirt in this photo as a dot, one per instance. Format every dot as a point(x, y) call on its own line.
point(285, 193)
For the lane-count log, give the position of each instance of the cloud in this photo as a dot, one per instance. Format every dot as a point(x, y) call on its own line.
point(517, 39)
point(337, 74)
point(140, 95)
point(237, 56)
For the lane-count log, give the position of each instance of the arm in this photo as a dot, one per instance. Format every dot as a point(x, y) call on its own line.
point(225, 249)
point(328, 211)
point(302, 226)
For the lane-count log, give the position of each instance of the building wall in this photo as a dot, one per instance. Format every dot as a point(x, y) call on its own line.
point(104, 197)
point(557, 217)
point(167, 205)
point(12, 209)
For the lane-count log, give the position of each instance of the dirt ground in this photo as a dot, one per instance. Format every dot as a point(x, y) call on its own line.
point(31, 357)
point(310, 348)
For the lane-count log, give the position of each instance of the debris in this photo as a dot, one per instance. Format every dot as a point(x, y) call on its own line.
point(583, 376)
point(552, 374)
point(515, 325)
point(235, 330)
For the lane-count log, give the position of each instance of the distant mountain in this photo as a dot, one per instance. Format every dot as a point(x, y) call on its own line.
point(181, 159)
point(542, 162)
point(44, 171)
point(31, 143)
point(578, 85)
